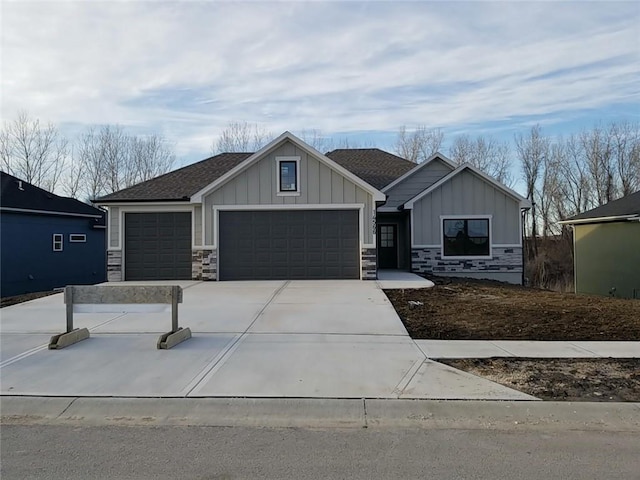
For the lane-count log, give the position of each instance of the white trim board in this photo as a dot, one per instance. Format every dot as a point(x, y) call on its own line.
point(377, 195)
point(290, 193)
point(48, 212)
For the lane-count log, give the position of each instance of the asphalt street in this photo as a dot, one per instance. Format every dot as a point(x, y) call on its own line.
point(140, 452)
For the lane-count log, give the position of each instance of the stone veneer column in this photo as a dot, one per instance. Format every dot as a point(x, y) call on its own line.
point(114, 265)
point(204, 265)
point(369, 264)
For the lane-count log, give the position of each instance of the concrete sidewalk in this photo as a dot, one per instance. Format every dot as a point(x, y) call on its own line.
point(523, 348)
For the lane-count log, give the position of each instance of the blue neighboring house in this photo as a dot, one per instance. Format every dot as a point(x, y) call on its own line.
point(47, 241)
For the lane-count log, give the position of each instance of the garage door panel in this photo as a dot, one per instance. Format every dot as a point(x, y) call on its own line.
point(291, 244)
point(157, 246)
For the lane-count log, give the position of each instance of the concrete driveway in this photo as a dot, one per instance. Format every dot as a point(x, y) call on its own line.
point(321, 339)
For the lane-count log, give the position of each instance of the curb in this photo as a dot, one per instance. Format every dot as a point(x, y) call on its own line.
point(320, 413)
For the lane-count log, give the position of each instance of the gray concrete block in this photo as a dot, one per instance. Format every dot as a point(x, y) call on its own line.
point(63, 340)
point(171, 339)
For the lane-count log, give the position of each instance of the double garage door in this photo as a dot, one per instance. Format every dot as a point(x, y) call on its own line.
point(252, 245)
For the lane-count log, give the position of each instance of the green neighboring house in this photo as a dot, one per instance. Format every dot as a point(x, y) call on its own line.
point(607, 248)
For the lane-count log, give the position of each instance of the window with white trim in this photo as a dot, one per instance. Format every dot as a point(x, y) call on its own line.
point(466, 237)
point(77, 238)
point(57, 242)
point(288, 174)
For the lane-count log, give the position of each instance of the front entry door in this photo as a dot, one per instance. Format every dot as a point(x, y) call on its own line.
point(387, 246)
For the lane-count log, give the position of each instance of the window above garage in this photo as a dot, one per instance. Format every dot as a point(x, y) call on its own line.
point(288, 175)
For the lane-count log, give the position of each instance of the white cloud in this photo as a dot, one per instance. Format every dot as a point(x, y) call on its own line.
point(185, 69)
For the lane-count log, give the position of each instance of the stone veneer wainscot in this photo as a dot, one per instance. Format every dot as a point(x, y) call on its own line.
point(504, 260)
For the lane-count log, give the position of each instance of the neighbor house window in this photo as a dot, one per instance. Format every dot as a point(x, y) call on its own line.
point(77, 238)
point(57, 242)
point(288, 175)
point(466, 237)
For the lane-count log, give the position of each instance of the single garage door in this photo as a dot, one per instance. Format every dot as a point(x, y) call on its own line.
point(289, 244)
point(157, 246)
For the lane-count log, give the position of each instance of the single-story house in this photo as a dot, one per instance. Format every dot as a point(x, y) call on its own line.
point(291, 212)
point(607, 248)
point(48, 241)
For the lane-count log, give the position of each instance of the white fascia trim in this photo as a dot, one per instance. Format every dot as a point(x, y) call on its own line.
point(378, 196)
point(48, 212)
point(506, 245)
point(466, 217)
point(631, 218)
point(523, 201)
point(329, 206)
point(418, 167)
point(293, 193)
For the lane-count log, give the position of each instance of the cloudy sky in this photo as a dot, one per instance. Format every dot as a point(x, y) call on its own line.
point(358, 69)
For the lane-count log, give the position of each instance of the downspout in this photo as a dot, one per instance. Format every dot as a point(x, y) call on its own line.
point(522, 228)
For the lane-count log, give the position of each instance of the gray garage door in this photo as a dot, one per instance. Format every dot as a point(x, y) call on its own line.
point(292, 244)
point(157, 246)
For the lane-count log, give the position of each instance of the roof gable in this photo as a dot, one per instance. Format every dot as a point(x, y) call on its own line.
point(20, 195)
point(524, 203)
point(286, 136)
point(625, 207)
point(435, 157)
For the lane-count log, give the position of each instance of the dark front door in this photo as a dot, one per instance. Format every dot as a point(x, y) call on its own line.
point(387, 246)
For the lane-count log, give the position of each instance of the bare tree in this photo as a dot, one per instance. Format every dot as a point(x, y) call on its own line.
point(33, 152)
point(106, 159)
point(418, 145)
point(533, 150)
point(625, 144)
point(597, 147)
point(241, 137)
point(484, 153)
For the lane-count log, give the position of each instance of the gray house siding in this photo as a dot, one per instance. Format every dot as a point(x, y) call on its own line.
point(468, 194)
point(318, 185)
point(422, 178)
point(114, 226)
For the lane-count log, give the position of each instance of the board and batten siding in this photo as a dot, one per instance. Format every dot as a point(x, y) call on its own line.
point(466, 194)
point(417, 182)
point(197, 225)
point(319, 184)
point(114, 227)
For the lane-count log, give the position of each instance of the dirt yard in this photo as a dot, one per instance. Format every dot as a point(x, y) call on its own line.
point(482, 310)
point(574, 379)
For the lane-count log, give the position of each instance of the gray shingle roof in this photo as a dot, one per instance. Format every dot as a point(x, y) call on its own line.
point(20, 194)
point(629, 205)
point(179, 184)
point(376, 167)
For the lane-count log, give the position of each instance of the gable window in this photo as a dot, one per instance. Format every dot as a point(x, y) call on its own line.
point(57, 242)
point(466, 237)
point(288, 175)
point(77, 238)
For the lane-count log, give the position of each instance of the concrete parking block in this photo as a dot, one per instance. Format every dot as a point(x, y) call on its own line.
point(67, 339)
point(537, 349)
point(329, 318)
point(438, 381)
point(343, 366)
point(113, 365)
point(460, 349)
point(171, 339)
